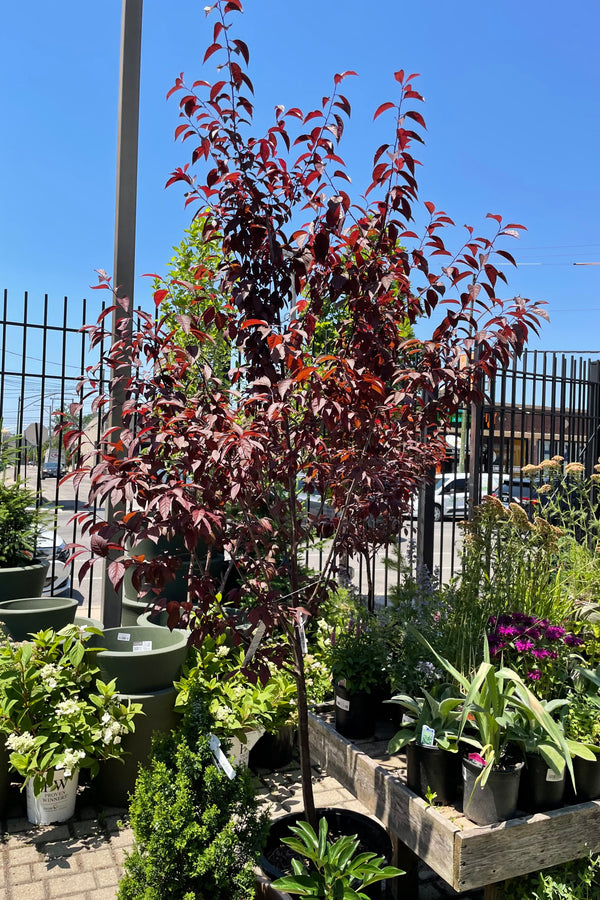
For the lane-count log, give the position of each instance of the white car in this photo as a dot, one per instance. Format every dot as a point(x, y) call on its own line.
point(52, 549)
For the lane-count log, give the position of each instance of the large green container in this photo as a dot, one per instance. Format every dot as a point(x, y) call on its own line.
point(116, 778)
point(22, 581)
point(20, 618)
point(141, 658)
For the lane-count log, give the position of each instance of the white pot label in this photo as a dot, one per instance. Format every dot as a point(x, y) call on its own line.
point(427, 736)
point(343, 704)
point(302, 634)
point(123, 636)
point(221, 760)
point(552, 776)
point(141, 646)
point(258, 636)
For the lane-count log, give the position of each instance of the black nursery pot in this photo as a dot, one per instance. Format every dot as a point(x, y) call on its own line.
point(434, 769)
point(540, 788)
point(355, 713)
point(587, 778)
point(372, 836)
point(273, 751)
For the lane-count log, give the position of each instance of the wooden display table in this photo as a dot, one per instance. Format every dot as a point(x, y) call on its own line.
point(465, 855)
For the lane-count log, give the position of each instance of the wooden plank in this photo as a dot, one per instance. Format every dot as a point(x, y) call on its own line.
point(421, 828)
point(493, 853)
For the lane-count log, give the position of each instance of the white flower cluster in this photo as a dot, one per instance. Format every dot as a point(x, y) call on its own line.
point(47, 673)
point(71, 761)
point(112, 729)
point(20, 743)
point(67, 708)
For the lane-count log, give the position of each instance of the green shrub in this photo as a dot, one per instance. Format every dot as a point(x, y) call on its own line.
point(577, 880)
point(198, 834)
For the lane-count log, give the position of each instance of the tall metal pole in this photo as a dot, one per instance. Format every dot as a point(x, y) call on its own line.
point(124, 260)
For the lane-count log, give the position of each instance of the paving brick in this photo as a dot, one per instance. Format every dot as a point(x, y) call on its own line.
point(55, 868)
point(96, 859)
point(36, 890)
point(72, 885)
point(19, 874)
point(20, 854)
point(107, 877)
point(105, 893)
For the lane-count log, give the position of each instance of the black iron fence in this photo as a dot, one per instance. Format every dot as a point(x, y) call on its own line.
point(545, 404)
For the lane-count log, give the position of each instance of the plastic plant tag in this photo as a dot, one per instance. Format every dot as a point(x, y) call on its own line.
point(123, 636)
point(343, 704)
point(221, 760)
point(552, 776)
point(258, 636)
point(302, 634)
point(427, 736)
point(141, 646)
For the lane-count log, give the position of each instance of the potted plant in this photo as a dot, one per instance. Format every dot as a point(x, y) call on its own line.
point(582, 724)
point(58, 718)
point(431, 737)
point(493, 700)
point(328, 384)
point(335, 868)
point(21, 574)
point(198, 829)
point(358, 660)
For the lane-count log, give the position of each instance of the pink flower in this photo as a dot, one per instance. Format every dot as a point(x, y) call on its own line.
point(540, 654)
point(554, 632)
point(573, 641)
point(522, 645)
point(475, 757)
point(534, 675)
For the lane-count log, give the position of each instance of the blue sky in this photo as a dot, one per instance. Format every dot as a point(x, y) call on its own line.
point(511, 107)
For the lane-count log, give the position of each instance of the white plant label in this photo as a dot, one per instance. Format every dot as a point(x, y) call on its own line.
point(123, 636)
point(141, 646)
point(221, 760)
point(302, 634)
point(427, 736)
point(552, 776)
point(343, 704)
point(258, 636)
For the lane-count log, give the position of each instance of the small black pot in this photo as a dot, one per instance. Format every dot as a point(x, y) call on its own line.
point(433, 769)
point(355, 713)
point(587, 778)
point(372, 836)
point(540, 788)
point(497, 799)
point(273, 751)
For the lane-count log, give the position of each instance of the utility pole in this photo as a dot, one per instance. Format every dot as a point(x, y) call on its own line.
point(125, 216)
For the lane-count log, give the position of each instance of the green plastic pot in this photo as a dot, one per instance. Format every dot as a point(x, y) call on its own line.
point(23, 581)
point(116, 778)
point(142, 658)
point(28, 615)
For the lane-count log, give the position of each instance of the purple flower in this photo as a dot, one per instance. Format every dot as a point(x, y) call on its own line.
point(573, 641)
point(524, 619)
point(505, 619)
point(554, 632)
point(534, 633)
point(508, 630)
point(523, 645)
point(540, 654)
point(534, 675)
point(491, 621)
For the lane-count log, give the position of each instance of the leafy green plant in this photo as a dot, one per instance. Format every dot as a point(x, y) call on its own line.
point(492, 699)
point(198, 833)
point(529, 734)
point(508, 563)
point(442, 713)
point(335, 871)
point(19, 524)
point(237, 705)
point(577, 880)
point(54, 710)
point(358, 658)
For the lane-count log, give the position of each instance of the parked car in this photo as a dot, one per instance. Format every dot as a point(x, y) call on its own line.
point(515, 490)
point(51, 548)
point(50, 470)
